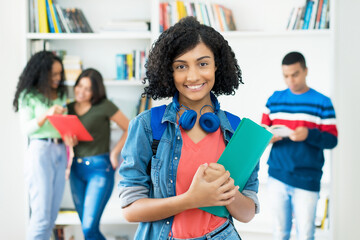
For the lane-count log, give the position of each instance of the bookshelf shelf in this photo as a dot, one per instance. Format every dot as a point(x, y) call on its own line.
point(292, 33)
point(109, 83)
point(89, 36)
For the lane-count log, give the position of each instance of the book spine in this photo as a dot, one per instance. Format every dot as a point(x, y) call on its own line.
point(161, 17)
point(68, 19)
point(223, 19)
point(85, 21)
point(198, 13)
point(323, 15)
point(53, 18)
point(43, 22)
point(62, 18)
point(313, 14)
point(120, 67)
point(204, 14)
point(49, 17)
point(308, 14)
point(31, 16)
point(130, 65)
point(318, 15)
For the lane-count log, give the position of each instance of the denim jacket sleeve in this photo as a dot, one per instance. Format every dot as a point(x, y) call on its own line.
point(135, 183)
point(251, 188)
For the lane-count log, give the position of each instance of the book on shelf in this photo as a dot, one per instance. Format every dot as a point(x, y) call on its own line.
point(45, 16)
point(313, 14)
point(131, 66)
point(308, 11)
point(72, 67)
point(279, 130)
point(215, 15)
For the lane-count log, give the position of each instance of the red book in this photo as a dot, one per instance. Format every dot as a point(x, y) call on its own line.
point(70, 125)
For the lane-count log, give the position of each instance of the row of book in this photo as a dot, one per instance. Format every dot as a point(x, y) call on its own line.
point(48, 17)
point(130, 66)
point(313, 14)
point(210, 14)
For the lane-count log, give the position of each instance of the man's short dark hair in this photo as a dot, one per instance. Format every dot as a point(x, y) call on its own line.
point(294, 57)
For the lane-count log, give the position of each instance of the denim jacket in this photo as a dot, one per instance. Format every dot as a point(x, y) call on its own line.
point(136, 183)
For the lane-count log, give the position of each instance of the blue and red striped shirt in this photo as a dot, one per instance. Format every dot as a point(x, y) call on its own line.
point(299, 164)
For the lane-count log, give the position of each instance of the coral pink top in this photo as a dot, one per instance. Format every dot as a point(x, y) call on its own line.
point(195, 222)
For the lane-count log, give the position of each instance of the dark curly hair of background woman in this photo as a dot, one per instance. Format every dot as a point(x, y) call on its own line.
point(179, 39)
point(36, 77)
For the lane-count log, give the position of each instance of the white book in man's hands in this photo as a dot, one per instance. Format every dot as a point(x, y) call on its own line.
point(279, 130)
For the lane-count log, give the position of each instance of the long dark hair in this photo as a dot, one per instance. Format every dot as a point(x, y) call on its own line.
point(97, 84)
point(36, 77)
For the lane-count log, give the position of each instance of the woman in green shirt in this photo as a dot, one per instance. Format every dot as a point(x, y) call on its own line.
point(92, 170)
point(41, 92)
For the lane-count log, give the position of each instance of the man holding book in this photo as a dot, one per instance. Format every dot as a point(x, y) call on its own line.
point(295, 162)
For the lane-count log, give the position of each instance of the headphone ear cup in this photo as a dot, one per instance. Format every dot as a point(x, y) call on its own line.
point(188, 119)
point(209, 122)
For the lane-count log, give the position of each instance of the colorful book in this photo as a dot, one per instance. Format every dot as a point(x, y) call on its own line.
point(121, 66)
point(49, 17)
point(241, 156)
point(307, 17)
point(43, 18)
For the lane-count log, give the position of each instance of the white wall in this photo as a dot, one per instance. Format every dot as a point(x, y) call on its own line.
point(346, 178)
point(12, 194)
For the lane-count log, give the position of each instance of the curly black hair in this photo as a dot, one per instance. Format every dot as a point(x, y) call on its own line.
point(36, 76)
point(183, 37)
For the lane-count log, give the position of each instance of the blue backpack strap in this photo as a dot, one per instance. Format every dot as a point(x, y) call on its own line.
point(157, 128)
point(233, 119)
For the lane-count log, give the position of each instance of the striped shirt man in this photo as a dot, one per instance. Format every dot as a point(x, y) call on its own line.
point(299, 163)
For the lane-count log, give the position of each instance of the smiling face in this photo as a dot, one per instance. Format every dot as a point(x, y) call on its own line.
point(55, 78)
point(194, 75)
point(83, 91)
point(295, 77)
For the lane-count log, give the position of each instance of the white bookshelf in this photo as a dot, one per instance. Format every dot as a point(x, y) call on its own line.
point(259, 44)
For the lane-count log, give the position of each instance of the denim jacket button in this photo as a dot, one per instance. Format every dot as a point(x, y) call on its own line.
point(178, 138)
point(171, 180)
point(79, 160)
point(176, 158)
point(167, 222)
point(87, 162)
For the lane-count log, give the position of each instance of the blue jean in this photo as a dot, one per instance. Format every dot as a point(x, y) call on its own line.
point(45, 177)
point(91, 182)
point(288, 202)
point(226, 231)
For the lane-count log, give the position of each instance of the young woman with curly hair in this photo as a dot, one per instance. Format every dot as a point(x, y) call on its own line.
point(192, 63)
point(41, 92)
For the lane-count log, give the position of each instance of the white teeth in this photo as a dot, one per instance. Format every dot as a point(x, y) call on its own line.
point(195, 86)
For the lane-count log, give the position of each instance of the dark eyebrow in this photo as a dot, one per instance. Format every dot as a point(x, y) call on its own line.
point(200, 58)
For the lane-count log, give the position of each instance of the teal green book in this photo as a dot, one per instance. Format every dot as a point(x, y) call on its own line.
point(241, 156)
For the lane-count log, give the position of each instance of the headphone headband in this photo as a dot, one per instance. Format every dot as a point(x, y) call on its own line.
point(209, 122)
point(214, 101)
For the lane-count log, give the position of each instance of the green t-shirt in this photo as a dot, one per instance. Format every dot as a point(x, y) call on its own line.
point(32, 106)
point(97, 122)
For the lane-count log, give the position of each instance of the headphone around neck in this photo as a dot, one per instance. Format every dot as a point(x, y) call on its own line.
point(209, 122)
